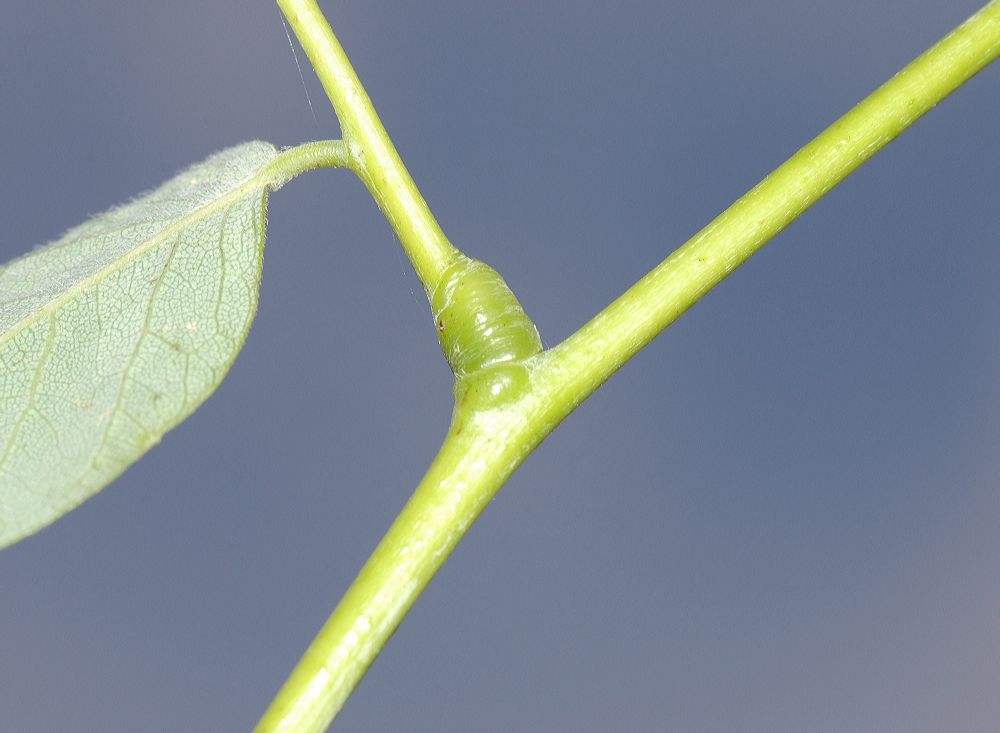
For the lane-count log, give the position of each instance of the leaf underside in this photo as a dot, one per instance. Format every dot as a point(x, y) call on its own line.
point(116, 332)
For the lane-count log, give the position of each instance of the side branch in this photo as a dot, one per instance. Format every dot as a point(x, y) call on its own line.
point(373, 155)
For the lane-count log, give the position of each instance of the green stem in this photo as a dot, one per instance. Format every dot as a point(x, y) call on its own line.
point(502, 414)
point(588, 357)
point(374, 158)
point(479, 453)
point(306, 157)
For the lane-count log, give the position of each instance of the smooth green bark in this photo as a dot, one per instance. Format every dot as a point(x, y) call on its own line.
point(373, 156)
point(502, 413)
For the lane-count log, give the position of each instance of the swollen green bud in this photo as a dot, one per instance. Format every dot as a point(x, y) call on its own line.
point(479, 322)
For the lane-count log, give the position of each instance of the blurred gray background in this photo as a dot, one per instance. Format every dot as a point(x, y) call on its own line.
point(783, 515)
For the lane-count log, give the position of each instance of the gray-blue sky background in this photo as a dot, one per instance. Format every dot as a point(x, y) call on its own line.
point(782, 516)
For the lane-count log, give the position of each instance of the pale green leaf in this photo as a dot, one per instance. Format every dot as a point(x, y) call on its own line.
point(116, 332)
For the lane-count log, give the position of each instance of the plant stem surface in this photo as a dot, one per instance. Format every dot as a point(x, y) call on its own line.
point(373, 156)
point(500, 418)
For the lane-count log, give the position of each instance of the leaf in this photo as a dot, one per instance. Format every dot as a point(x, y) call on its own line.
point(116, 332)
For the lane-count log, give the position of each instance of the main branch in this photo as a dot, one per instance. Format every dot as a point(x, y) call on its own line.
point(592, 354)
point(503, 410)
